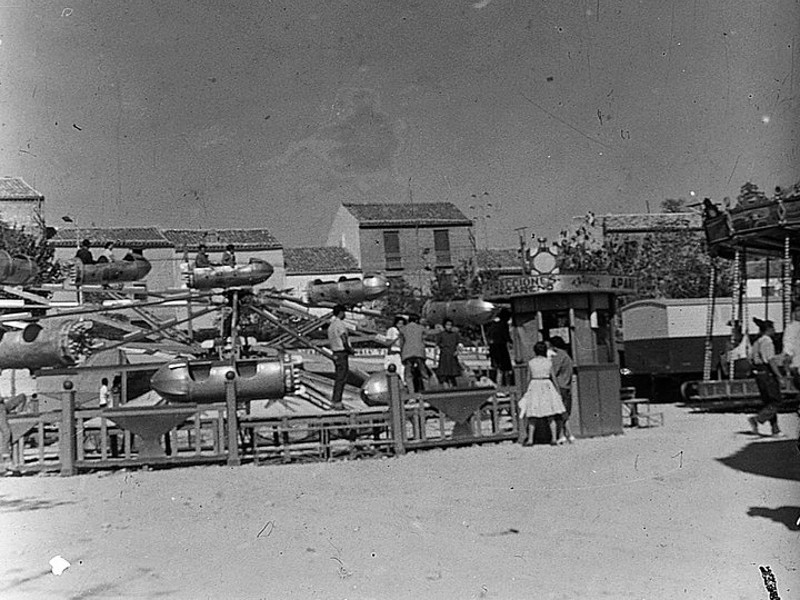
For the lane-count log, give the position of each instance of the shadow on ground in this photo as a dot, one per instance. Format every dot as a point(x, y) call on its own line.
point(18, 504)
point(788, 515)
point(768, 457)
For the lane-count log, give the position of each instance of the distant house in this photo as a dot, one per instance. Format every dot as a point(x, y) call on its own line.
point(499, 261)
point(20, 204)
point(327, 263)
point(409, 240)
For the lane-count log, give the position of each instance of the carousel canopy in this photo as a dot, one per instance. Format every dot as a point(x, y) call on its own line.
point(758, 225)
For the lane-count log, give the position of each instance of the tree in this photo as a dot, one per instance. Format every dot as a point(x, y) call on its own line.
point(667, 263)
point(16, 240)
point(463, 282)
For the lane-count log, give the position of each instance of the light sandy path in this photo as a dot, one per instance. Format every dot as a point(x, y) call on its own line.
point(658, 513)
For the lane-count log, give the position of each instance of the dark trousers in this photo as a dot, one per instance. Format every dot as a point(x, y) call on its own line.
point(770, 390)
point(341, 367)
point(416, 373)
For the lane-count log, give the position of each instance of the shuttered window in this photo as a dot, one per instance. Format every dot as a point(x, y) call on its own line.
point(391, 249)
point(441, 246)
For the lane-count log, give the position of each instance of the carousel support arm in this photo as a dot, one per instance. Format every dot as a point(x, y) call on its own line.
point(712, 282)
point(734, 320)
point(786, 283)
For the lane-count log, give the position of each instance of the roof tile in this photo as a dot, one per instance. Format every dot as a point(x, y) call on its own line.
point(138, 237)
point(412, 214)
point(319, 260)
point(15, 188)
point(217, 239)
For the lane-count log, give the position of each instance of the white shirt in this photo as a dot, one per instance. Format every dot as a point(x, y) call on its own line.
point(791, 342)
point(105, 395)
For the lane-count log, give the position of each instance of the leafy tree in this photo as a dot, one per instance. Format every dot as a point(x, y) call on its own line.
point(16, 240)
point(666, 263)
point(401, 298)
point(464, 282)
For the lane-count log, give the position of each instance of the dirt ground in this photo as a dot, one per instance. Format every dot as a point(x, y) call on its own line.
point(688, 510)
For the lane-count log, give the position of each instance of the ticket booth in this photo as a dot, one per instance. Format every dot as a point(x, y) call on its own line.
point(579, 308)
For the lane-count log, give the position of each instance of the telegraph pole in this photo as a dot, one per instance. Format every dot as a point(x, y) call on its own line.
point(522, 248)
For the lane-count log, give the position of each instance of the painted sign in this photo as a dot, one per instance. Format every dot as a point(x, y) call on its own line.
point(560, 283)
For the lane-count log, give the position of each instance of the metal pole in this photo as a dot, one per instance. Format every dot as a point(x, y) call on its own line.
point(396, 410)
point(736, 285)
point(66, 435)
point(707, 359)
point(233, 422)
point(786, 283)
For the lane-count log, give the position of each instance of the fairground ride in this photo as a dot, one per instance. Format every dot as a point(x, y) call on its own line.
point(758, 227)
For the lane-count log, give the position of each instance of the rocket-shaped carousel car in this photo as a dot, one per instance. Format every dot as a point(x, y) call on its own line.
point(347, 291)
point(56, 343)
point(223, 276)
point(203, 381)
point(462, 312)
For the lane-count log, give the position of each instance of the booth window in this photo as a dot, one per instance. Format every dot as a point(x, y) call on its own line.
point(391, 249)
point(600, 321)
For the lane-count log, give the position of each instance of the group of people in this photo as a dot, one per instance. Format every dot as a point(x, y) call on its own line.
point(84, 254)
point(201, 259)
point(549, 393)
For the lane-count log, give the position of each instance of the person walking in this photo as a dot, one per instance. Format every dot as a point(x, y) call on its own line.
point(392, 338)
point(766, 365)
point(541, 400)
point(562, 372)
point(412, 354)
point(448, 341)
point(339, 344)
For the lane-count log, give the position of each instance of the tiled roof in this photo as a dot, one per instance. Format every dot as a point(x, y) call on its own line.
point(217, 239)
point(124, 237)
point(498, 259)
point(325, 259)
point(15, 188)
point(408, 215)
point(642, 223)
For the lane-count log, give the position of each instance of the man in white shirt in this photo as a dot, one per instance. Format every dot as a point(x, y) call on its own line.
point(339, 344)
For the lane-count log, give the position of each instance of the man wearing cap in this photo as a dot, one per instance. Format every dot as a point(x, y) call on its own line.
point(766, 365)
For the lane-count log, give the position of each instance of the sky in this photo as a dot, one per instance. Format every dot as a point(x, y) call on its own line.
point(524, 114)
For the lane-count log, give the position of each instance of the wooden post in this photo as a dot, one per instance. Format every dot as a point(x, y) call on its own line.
point(397, 419)
point(233, 424)
point(66, 436)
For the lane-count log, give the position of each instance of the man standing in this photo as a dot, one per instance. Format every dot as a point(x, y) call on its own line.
point(767, 371)
point(562, 371)
point(7, 406)
point(339, 344)
point(412, 354)
point(499, 340)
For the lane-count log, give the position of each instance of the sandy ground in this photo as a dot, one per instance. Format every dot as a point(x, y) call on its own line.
point(688, 510)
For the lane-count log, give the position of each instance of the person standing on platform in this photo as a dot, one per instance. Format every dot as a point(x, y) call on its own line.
point(412, 353)
point(7, 406)
point(541, 400)
point(201, 258)
point(392, 338)
point(766, 365)
point(339, 344)
point(448, 341)
point(499, 339)
point(84, 254)
point(105, 393)
point(228, 257)
point(562, 371)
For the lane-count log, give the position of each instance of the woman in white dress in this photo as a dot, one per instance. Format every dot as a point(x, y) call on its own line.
point(541, 399)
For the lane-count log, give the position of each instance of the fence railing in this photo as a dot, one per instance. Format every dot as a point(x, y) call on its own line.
point(71, 440)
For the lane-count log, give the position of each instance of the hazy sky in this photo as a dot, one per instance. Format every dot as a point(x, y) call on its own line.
point(271, 113)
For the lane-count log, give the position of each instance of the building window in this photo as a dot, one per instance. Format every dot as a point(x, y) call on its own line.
point(441, 246)
point(768, 291)
point(391, 249)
